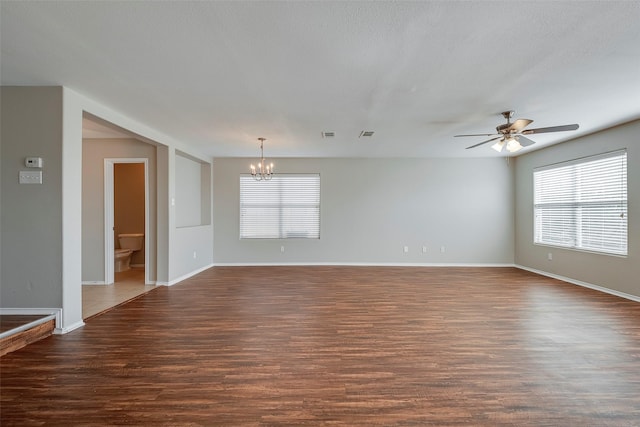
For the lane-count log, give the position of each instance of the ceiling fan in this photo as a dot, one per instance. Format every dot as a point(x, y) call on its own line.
point(511, 134)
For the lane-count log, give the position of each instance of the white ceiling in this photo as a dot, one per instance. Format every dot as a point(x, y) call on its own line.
point(218, 75)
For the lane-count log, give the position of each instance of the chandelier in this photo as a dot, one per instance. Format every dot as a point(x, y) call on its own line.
point(264, 172)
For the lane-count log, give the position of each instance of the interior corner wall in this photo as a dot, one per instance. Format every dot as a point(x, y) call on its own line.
point(372, 208)
point(31, 223)
point(191, 233)
point(41, 229)
point(163, 212)
point(613, 272)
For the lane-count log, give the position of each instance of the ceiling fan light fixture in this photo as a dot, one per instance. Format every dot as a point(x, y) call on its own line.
point(513, 145)
point(498, 146)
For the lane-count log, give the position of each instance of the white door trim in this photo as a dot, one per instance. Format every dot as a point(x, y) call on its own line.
point(109, 221)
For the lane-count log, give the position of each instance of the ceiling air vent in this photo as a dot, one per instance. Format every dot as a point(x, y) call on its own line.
point(328, 134)
point(366, 133)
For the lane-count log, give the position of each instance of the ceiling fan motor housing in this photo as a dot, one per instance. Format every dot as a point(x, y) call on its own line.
point(503, 128)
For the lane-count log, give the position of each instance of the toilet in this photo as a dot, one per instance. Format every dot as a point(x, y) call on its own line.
point(129, 243)
point(122, 259)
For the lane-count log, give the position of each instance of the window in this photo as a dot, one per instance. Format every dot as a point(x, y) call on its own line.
point(286, 207)
point(582, 204)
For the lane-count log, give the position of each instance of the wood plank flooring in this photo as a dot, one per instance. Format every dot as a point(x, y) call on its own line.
point(12, 321)
point(340, 346)
point(17, 338)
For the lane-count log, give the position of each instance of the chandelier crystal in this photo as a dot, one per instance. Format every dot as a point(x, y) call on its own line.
point(263, 172)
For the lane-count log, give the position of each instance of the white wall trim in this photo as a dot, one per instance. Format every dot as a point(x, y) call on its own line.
point(360, 264)
point(57, 312)
point(109, 247)
point(66, 330)
point(21, 311)
point(94, 282)
point(185, 276)
point(27, 326)
point(581, 283)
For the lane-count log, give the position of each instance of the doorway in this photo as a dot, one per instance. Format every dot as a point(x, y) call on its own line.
point(130, 178)
point(120, 213)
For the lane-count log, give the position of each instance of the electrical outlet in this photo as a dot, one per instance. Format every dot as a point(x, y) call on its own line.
point(195, 255)
point(30, 177)
point(424, 249)
point(406, 249)
point(550, 256)
point(442, 249)
point(282, 249)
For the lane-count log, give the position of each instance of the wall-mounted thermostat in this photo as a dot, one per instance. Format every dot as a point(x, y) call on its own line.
point(33, 162)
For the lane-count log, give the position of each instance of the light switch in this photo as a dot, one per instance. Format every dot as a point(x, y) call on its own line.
point(30, 177)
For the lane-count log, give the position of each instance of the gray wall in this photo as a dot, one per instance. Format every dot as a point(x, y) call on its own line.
point(191, 233)
point(188, 192)
point(31, 224)
point(372, 208)
point(94, 151)
point(617, 273)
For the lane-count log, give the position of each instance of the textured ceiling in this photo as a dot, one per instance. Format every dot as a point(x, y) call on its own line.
point(218, 75)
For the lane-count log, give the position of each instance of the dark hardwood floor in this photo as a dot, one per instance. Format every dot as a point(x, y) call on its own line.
point(9, 322)
point(21, 330)
point(344, 346)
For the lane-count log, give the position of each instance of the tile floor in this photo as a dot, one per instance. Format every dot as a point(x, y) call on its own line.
point(128, 285)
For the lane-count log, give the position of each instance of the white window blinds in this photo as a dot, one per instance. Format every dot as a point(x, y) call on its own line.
point(582, 204)
point(287, 206)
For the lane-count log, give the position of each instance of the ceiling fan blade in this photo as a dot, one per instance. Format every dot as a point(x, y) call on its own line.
point(519, 124)
point(484, 142)
point(478, 134)
point(525, 142)
point(551, 129)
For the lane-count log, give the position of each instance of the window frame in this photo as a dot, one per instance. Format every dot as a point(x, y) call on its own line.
point(284, 232)
point(581, 203)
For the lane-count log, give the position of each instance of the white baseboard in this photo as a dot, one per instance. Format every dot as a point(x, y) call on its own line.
point(57, 312)
point(60, 331)
point(22, 311)
point(27, 326)
point(581, 283)
point(184, 277)
point(94, 282)
point(359, 264)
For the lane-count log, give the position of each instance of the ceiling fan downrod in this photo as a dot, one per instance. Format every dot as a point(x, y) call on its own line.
point(507, 115)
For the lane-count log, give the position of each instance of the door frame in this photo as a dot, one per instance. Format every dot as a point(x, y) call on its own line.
point(109, 274)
